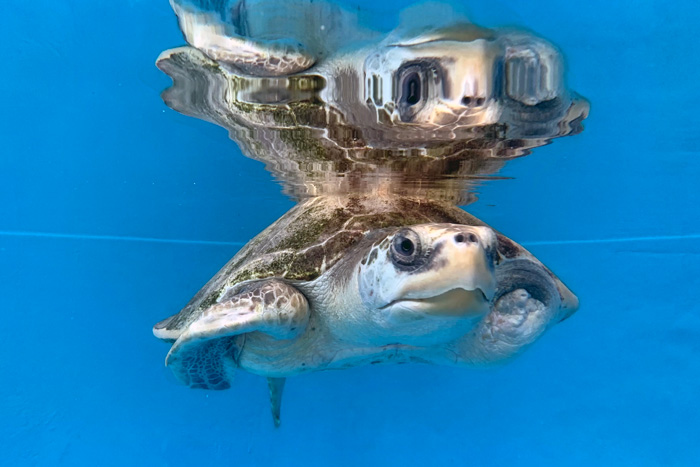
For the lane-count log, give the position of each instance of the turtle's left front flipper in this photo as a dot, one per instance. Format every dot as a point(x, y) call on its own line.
point(529, 300)
point(205, 353)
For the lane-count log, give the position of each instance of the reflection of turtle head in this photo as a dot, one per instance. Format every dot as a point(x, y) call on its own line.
point(333, 108)
point(315, 132)
point(462, 73)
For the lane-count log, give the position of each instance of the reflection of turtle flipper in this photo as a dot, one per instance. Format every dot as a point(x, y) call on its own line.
point(251, 56)
point(199, 354)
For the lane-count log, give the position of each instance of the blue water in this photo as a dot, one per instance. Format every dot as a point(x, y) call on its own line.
point(114, 210)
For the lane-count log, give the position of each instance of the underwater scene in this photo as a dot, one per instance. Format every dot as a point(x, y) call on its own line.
point(484, 213)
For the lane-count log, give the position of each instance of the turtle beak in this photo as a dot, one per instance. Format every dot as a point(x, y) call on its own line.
point(460, 277)
point(463, 259)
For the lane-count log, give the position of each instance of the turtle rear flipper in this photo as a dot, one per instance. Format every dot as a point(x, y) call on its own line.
point(276, 386)
point(204, 355)
point(207, 32)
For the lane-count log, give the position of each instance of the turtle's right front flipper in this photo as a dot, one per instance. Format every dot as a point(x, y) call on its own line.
point(202, 354)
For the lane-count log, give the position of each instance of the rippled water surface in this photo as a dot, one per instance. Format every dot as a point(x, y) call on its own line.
point(115, 209)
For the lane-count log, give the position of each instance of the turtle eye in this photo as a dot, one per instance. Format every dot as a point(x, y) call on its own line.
point(405, 248)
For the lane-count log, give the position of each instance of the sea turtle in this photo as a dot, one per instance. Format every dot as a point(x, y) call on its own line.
point(342, 281)
point(420, 73)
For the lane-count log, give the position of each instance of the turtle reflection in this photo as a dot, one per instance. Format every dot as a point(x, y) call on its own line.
point(318, 135)
point(376, 263)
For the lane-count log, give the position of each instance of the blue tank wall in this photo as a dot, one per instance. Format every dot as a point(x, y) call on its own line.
point(114, 210)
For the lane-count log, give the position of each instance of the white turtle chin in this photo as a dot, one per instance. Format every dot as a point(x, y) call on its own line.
point(455, 303)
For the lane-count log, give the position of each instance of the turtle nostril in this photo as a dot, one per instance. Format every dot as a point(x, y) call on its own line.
point(473, 238)
point(459, 238)
point(466, 101)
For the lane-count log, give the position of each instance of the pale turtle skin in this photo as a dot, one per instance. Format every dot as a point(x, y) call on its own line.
point(340, 282)
point(456, 73)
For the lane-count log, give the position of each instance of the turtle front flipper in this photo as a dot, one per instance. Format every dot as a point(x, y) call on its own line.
point(254, 56)
point(205, 354)
point(528, 301)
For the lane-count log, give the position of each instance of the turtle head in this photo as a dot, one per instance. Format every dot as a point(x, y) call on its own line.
point(462, 73)
point(429, 273)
